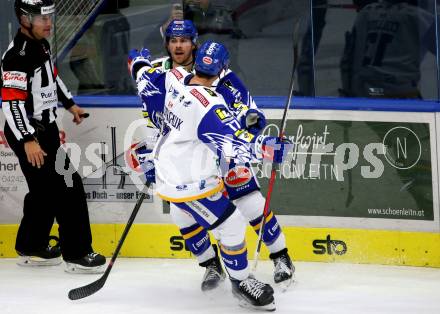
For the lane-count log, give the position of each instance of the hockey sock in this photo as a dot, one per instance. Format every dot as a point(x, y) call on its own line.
point(272, 228)
point(197, 240)
point(235, 260)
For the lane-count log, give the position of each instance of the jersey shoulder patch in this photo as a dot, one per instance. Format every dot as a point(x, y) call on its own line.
point(177, 74)
point(210, 91)
point(13, 61)
point(14, 79)
point(159, 62)
point(223, 114)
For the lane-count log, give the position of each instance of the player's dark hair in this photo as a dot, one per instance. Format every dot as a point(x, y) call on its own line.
point(204, 75)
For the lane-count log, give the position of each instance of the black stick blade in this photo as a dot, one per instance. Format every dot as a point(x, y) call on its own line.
point(88, 290)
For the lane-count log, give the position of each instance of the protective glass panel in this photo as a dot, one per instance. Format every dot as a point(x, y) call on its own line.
point(377, 49)
point(258, 34)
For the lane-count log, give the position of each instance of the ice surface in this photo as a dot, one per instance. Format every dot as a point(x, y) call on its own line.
point(173, 286)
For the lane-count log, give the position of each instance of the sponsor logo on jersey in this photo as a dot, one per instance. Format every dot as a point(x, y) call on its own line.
point(184, 102)
point(207, 60)
point(202, 211)
point(222, 114)
point(174, 92)
point(244, 135)
point(202, 185)
point(199, 244)
point(215, 197)
point(230, 262)
point(18, 120)
point(182, 187)
point(238, 176)
point(49, 94)
point(199, 97)
point(15, 79)
point(177, 74)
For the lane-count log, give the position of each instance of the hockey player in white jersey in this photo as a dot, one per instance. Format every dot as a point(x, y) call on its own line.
point(197, 131)
point(240, 183)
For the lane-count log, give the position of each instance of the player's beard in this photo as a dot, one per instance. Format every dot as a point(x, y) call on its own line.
point(182, 59)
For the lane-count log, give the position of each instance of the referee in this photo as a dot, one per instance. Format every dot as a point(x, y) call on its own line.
point(30, 92)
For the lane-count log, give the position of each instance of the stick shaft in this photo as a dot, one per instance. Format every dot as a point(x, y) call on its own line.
point(272, 167)
point(87, 290)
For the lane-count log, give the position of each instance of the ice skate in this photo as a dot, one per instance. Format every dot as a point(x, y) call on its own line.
point(50, 256)
point(214, 275)
point(253, 294)
point(92, 263)
point(284, 269)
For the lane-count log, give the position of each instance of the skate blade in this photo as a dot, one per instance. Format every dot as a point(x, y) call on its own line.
point(268, 307)
point(216, 292)
point(79, 269)
point(285, 285)
point(35, 261)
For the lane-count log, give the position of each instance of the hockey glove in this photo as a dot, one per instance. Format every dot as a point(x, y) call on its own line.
point(274, 149)
point(138, 59)
point(253, 121)
point(143, 155)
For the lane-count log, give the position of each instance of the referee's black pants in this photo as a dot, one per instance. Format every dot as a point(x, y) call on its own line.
point(49, 198)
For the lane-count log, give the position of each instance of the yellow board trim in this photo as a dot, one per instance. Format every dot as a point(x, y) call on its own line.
point(217, 189)
point(363, 246)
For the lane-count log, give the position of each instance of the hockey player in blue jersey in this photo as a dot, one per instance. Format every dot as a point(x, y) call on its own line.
point(197, 131)
point(240, 182)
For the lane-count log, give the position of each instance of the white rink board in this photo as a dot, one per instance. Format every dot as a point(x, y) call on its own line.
point(97, 129)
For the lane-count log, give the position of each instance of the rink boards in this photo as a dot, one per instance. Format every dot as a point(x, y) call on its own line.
point(305, 244)
point(360, 186)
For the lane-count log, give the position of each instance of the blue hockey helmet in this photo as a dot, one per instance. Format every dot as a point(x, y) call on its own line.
point(211, 58)
point(181, 28)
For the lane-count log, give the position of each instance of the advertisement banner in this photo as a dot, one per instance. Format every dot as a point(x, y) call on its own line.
point(111, 176)
point(354, 169)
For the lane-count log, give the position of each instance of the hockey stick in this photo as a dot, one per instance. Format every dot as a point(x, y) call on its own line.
point(91, 288)
point(273, 170)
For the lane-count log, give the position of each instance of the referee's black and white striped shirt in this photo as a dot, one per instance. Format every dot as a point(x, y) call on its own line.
point(31, 87)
